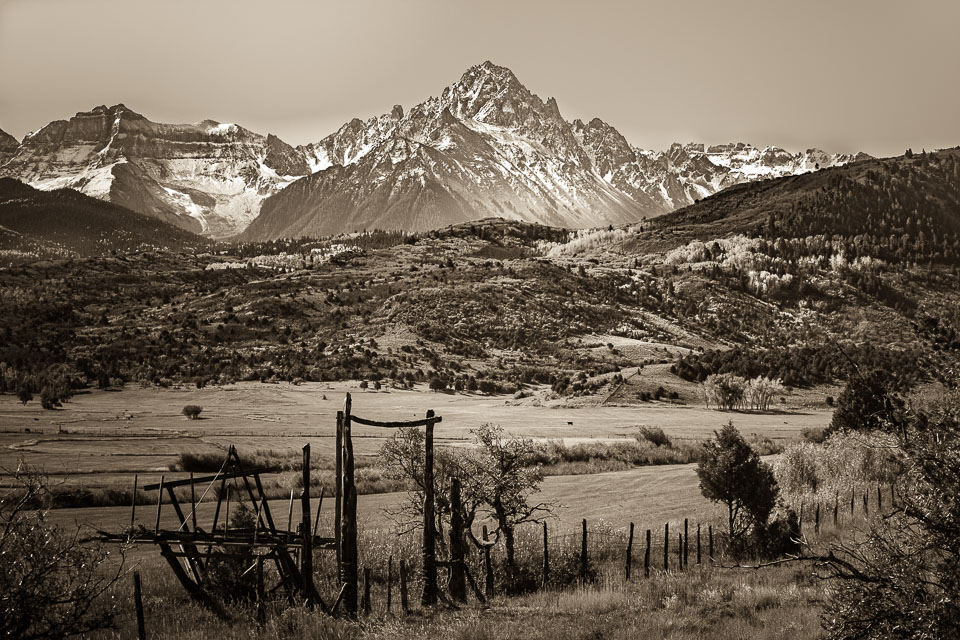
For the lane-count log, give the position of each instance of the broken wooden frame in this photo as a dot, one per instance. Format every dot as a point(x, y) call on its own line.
point(264, 541)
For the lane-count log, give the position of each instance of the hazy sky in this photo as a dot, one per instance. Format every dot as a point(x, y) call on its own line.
point(843, 75)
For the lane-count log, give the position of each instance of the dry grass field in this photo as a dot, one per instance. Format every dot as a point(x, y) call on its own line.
point(108, 436)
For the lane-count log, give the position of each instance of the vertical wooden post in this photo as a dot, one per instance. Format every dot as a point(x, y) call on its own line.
point(366, 591)
point(226, 514)
point(429, 597)
point(389, 582)
point(836, 508)
point(680, 550)
point(816, 520)
point(133, 508)
point(458, 546)
point(893, 500)
point(584, 559)
point(546, 557)
point(348, 524)
point(686, 542)
point(156, 529)
point(853, 493)
point(646, 557)
point(698, 543)
point(487, 564)
point(338, 494)
point(879, 500)
point(666, 546)
point(193, 503)
point(629, 551)
point(710, 534)
point(261, 610)
point(306, 555)
point(138, 603)
point(404, 605)
point(866, 503)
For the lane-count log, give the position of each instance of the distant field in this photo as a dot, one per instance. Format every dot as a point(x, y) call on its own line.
point(110, 436)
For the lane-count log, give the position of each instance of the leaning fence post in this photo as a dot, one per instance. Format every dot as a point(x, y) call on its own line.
point(156, 529)
point(138, 602)
point(666, 546)
point(583, 550)
point(546, 556)
point(646, 557)
point(338, 494)
point(710, 534)
point(686, 542)
point(629, 550)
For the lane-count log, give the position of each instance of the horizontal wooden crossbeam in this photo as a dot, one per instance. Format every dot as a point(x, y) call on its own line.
point(186, 481)
point(397, 425)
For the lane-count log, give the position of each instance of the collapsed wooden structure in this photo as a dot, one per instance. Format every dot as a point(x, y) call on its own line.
point(190, 548)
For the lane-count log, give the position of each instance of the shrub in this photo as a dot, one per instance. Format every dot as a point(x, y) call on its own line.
point(192, 411)
point(655, 435)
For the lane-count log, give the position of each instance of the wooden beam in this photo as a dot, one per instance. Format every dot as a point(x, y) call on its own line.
point(184, 482)
point(429, 420)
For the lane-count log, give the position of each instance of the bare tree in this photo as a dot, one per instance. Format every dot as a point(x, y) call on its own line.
point(51, 582)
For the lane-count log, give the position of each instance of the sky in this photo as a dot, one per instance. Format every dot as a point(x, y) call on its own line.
point(842, 75)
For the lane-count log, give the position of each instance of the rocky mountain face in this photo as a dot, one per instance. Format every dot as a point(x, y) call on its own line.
point(685, 173)
point(485, 147)
point(8, 146)
point(207, 177)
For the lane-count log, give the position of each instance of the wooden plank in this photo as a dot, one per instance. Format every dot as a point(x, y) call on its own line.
point(429, 597)
point(202, 479)
point(388, 424)
point(306, 558)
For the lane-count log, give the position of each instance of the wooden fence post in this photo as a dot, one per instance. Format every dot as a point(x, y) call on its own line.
point(853, 493)
point(666, 546)
point(487, 564)
point(138, 603)
point(261, 611)
point(686, 542)
point(159, 503)
point(680, 550)
point(429, 597)
point(458, 550)
point(710, 535)
point(629, 551)
point(698, 543)
point(366, 591)
point(879, 500)
point(389, 582)
point(646, 557)
point(348, 537)
point(836, 508)
point(546, 556)
point(404, 604)
point(893, 500)
point(584, 560)
point(133, 507)
point(338, 494)
point(866, 503)
point(816, 520)
point(306, 556)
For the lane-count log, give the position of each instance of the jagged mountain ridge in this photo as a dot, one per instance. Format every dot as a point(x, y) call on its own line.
point(206, 177)
point(486, 146)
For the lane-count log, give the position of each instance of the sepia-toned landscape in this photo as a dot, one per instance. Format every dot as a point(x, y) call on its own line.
point(480, 365)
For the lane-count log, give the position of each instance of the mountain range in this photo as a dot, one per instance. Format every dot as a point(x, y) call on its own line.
point(486, 146)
